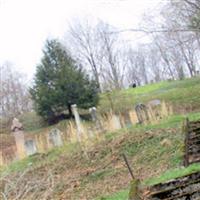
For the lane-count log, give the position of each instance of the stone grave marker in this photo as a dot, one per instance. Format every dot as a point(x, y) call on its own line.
point(55, 137)
point(95, 119)
point(133, 117)
point(16, 125)
point(154, 109)
point(115, 122)
point(77, 121)
point(142, 113)
point(30, 147)
point(17, 130)
point(154, 103)
point(93, 113)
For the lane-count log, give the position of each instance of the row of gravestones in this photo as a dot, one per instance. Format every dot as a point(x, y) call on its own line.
point(26, 147)
point(29, 146)
point(142, 110)
point(54, 138)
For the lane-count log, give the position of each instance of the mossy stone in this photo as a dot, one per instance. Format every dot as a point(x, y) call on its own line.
point(134, 190)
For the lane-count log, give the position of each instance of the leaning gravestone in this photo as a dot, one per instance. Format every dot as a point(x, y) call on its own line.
point(55, 137)
point(30, 147)
point(95, 119)
point(17, 130)
point(142, 113)
point(78, 121)
point(155, 109)
point(115, 122)
point(93, 113)
point(16, 125)
point(154, 103)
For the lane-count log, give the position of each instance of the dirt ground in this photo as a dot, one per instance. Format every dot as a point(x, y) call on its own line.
point(98, 171)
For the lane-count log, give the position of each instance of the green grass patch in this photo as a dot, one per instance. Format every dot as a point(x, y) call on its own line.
point(185, 92)
point(169, 175)
point(150, 152)
point(173, 174)
point(101, 174)
point(39, 159)
point(121, 195)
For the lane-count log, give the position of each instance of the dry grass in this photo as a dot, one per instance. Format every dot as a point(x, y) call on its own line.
point(76, 176)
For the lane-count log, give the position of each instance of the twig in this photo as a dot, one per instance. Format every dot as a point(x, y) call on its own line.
point(127, 164)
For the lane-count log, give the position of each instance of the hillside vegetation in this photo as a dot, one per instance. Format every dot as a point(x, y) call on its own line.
point(184, 95)
point(96, 170)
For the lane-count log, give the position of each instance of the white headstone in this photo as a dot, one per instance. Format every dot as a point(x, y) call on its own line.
point(93, 112)
point(78, 121)
point(115, 122)
point(19, 138)
point(16, 125)
point(55, 137)
point(30, 147)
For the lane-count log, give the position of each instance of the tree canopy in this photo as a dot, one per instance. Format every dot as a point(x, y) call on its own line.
point(59, 82)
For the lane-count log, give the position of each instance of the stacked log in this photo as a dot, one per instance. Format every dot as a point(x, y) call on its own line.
point(192, 142)
point(184, 188)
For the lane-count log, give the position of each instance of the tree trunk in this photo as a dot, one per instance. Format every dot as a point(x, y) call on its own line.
point(70, 111)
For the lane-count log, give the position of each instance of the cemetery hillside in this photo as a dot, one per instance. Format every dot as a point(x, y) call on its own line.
point(92, 166)
point(100, 100)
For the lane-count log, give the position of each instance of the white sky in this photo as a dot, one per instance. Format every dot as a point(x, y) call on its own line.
point(26, 24)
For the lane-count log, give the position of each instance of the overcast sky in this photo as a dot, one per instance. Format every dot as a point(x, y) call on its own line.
point(26, 24)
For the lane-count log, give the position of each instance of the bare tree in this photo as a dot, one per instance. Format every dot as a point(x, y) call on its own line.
point(85, 46)
point(172, 53)
point(143, 65)
point(133, 68)
point(184, 13)
point(14, 96)
point(154, 63)
point(100, 51)
point(113, 63)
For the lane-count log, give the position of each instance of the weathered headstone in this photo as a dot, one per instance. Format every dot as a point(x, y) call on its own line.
point(126, 118)
point(142, 113)
point(30, 147)
point(95, 119)
point(154, 103)
point(55, 137)
point(78, 121)
point(16, 125)
point(18, 133)
point(115, 122)
point(133, 117)
point(155, 110)
point(41, 140)
point(93, 113)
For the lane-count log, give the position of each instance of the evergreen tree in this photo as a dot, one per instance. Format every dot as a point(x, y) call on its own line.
point(59, 83)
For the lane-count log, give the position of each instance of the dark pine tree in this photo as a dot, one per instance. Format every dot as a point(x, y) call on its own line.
point(59, 82)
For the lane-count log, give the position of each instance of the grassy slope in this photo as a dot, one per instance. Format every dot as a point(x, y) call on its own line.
point(175, 159)
point(141, 144)
point(166, 176)
point(185, 93)
point(102, 171)
point(172, 174)
point(179, 93)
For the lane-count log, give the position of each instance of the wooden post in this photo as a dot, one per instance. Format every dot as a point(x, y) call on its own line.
point(186, 160)
point(128, 166)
